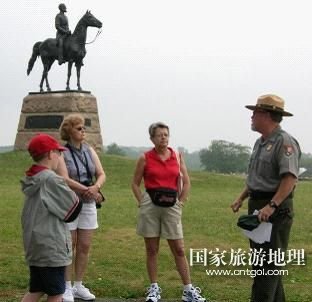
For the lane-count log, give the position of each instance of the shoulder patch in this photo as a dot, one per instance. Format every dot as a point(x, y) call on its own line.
point(288, 150)
point(269, 147)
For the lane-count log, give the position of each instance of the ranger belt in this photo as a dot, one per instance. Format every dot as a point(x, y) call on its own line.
point(258, 195)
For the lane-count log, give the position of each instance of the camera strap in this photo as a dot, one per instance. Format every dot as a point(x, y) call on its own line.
point(84, 162)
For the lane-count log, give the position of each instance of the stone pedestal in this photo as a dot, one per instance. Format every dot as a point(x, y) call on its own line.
point(44, 112)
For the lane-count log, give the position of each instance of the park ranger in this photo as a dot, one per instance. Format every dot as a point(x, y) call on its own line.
point(272, 176)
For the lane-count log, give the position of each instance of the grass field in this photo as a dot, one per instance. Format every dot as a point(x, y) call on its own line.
point(117, 263)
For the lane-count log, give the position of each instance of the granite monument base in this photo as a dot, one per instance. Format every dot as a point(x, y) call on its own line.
point(44, 112)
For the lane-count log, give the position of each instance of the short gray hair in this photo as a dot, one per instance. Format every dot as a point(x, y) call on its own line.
point(152, 128)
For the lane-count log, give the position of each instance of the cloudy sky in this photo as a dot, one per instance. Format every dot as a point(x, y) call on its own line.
point(192, 64)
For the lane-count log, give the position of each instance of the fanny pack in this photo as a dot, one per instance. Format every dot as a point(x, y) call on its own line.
point(163, 197)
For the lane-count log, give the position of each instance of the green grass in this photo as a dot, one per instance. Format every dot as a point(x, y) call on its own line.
point(117, 260)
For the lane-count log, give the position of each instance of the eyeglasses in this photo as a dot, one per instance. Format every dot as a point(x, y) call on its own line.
point(159, 135)
point(58, 152)
point(81, 128)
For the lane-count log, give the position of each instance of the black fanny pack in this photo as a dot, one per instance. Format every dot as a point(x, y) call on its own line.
point(259, 195)
point(163, 197)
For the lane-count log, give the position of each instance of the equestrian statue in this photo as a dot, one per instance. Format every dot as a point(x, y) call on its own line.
point(66, 47)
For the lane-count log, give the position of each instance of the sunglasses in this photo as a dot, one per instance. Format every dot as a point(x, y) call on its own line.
point(81, 128)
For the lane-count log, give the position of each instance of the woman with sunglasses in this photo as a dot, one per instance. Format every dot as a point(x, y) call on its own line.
point(83, 171)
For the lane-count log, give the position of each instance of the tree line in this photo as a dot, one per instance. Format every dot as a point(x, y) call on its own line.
point(220, 156)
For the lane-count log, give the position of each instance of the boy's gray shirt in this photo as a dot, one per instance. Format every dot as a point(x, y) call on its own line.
point(48, 202)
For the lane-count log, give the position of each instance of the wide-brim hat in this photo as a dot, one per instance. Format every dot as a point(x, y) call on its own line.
point(270, 102)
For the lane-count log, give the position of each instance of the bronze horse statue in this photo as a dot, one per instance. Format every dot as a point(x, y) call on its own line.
point(74, 51)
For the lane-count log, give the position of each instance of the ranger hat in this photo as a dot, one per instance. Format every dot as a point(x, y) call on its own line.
point(43, 143)
point(270, 102)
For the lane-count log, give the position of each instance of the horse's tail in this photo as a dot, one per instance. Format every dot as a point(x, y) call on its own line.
point(33, 57)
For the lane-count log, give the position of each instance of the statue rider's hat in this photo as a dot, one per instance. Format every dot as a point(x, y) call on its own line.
point(62, 7)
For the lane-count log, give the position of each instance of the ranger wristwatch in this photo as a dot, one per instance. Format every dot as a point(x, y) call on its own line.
point(272, 204)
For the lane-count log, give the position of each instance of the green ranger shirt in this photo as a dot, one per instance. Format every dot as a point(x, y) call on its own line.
point(270, 159)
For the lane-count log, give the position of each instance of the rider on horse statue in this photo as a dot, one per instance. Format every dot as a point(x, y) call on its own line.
point(61, 24)
point(66, 47)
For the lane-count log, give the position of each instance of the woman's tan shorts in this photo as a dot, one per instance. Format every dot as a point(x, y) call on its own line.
point(155, 221)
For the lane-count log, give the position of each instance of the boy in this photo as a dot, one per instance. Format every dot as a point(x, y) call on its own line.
point(49, 204)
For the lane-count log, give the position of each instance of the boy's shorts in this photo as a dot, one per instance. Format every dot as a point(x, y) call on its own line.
point(87, 218)
point(49, 280)
point(155, 221)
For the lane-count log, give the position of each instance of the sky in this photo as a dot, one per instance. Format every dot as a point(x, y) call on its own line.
point(191, 64)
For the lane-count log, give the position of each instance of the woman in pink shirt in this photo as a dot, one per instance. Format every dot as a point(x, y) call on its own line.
point(160, 209)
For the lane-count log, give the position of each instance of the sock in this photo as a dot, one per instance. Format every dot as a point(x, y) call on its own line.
point(77, 283)
point(188, 287)
point(154, 285)
point(68, 284)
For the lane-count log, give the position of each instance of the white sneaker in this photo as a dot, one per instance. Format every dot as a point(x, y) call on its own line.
point(82, 292)
point(68, 295)
point(153, 294)
point(193, 295)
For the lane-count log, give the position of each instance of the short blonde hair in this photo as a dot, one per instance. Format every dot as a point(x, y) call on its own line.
point(152, 128)
point(69, 122)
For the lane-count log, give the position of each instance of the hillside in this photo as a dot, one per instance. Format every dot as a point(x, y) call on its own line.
point(117, 265)
point(4, 149)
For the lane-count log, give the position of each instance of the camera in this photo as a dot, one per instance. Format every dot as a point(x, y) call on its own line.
point(89, 183)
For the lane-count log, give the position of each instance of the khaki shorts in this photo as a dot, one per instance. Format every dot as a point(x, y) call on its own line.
point(155, 221)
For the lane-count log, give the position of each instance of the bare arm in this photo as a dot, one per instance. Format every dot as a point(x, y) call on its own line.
point(286, 186)
point(186, 181)
point(99, 174)
point(137, 178)
point(74, 185)
point(238, 202)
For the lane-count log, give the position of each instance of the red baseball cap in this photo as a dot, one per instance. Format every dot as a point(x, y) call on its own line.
point(43, 143)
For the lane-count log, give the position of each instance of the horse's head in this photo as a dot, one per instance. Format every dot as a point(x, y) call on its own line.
point(90, 20)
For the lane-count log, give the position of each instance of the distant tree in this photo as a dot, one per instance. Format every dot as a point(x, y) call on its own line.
point(306, 162)
point(182, 150)
point(225, 157)
point(115, 150)
point(191, 159)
